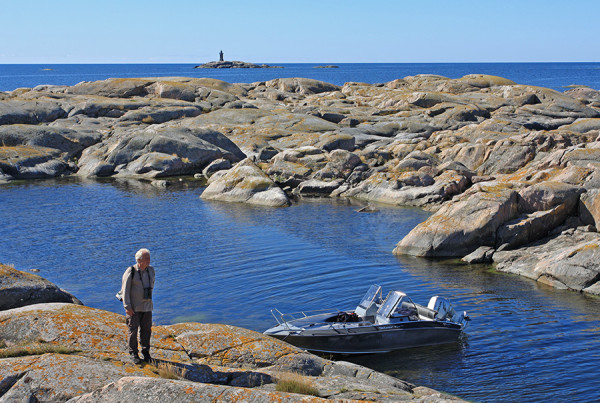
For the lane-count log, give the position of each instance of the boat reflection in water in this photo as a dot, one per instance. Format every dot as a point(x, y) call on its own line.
point(375, 326)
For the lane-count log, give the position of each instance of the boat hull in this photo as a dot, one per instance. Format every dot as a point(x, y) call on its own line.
point(376, 339)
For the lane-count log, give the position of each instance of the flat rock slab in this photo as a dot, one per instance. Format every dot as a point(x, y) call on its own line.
point(57, 377)
point(567, 261)
point(134, 389)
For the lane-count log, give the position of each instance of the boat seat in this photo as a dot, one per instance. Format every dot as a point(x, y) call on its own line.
point(426, 312)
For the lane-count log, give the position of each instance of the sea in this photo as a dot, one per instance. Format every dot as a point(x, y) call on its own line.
point(233, 263)
point(558, 76)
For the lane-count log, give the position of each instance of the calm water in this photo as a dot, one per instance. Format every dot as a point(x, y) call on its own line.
point(231, 263)
point(551, 75)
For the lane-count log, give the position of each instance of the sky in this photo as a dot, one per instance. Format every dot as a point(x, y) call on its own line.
point(307, 31)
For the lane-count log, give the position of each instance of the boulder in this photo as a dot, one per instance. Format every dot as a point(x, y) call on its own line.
point(68, 141)
point(484, 81)
point(113, 87)
point(217, 165)
point(173, 90)
point(18, 288)
point(456, 167)
point(30, 151)
point(549, 194)
point(589, 208)
point(544, 206)
point(288, 173)
point(290, 167)
point(507, 157)
point(470, 155)
point(335, 141)
point(580, 157)
point(94, 106)
point(27, 162)
point(158, 150)
point(340, 164)
point(408, 190)
point(91, 331)
point(23, 111)
point(568, 260)
point(586, 95)
point(483, 254)
point(266, 153)
point(316, 188)
point(460, 227)
point(411, 164)
point(531, 227)
point(304, 86)
point(583, 125)
point(246, 183)
point(156, 115)
point(225, 345)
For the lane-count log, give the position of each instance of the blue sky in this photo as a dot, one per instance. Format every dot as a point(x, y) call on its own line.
point(325, 31)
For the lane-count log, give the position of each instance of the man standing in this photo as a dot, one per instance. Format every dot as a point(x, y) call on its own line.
point(136, 286)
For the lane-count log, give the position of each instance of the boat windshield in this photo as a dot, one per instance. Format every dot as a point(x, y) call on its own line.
point(370, 296)
point(390, 303)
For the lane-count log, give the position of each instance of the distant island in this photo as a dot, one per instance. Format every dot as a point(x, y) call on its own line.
point(329, 66)
point(235, 65)
point(222, 64)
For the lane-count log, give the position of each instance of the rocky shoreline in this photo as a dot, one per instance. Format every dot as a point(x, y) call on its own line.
point(54, 350)
point(510, 171)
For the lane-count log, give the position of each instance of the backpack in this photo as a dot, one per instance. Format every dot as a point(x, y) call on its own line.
point(119, 295)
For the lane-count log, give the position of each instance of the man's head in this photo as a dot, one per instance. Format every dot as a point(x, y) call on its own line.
point(142, 257)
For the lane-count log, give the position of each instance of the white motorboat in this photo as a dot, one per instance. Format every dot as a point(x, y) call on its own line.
point(375, 326)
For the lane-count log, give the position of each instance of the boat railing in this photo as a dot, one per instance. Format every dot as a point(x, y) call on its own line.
point(283, 318)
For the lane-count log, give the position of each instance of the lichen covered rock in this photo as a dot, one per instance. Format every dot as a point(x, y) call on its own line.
point(460, 227)
point(57, 352)
point(246, 183)
point(18, 288)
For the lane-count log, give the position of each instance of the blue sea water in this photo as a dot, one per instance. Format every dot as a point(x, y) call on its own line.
point(232, 263)
point(552, 75)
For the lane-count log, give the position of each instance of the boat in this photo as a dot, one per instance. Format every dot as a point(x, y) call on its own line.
point(375, 326)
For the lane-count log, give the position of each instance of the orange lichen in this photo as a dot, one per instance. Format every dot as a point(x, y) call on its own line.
point(590, 247)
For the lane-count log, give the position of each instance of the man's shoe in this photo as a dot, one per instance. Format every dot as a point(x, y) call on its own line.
point(136, 359)
point(147, 357)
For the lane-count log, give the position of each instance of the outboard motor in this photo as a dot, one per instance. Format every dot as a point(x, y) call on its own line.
point(445, 311)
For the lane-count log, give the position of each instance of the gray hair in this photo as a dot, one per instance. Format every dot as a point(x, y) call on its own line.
point(139, 253)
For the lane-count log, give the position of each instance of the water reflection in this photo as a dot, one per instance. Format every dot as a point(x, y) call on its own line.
point(431, 365)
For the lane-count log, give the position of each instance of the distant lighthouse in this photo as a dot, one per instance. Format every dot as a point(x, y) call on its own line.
point(221, 56)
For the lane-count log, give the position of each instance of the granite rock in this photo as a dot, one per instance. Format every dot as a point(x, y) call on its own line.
point(423, 140)
point(461, 226)
point(68, 352)
point(568, 260)
point(18, 288)
point(246, 183)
